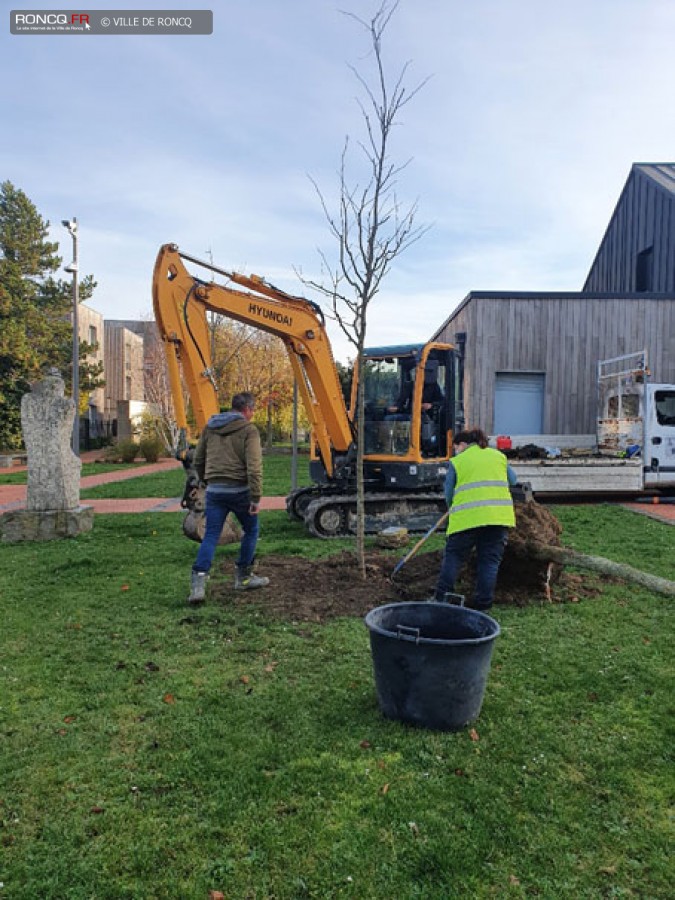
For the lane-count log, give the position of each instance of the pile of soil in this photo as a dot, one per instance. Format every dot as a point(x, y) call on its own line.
point(320, 589)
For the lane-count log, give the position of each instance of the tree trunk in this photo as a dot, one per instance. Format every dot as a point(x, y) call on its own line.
point(269, 441)
point(360, 446)
point(567, 557)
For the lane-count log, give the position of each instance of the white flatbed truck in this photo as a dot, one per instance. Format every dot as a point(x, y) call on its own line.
point(634, 449)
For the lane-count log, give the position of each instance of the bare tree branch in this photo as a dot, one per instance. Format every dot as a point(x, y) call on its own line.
point(369, 226)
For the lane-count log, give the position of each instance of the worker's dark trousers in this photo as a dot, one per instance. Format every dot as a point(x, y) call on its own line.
point(489, 541)
point(217, 507)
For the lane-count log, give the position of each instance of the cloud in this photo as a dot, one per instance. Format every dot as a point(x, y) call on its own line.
point(520, 142)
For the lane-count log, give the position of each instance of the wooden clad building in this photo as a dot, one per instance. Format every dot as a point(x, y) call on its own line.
point(531, 358)
point(637, 252)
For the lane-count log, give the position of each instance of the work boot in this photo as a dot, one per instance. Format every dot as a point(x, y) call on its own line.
point(198, 588)
point(245, 580)
point(473, 604)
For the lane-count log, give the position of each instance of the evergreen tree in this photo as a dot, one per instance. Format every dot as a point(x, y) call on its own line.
point(35, 311)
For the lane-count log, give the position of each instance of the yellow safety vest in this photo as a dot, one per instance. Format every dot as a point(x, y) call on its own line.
point(482, 495)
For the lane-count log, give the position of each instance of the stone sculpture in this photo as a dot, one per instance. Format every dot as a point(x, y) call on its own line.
point(53, 494)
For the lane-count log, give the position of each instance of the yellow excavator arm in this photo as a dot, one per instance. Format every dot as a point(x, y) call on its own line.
point(181, 302)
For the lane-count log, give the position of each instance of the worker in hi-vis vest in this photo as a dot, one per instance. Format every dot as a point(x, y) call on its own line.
point(481, 512)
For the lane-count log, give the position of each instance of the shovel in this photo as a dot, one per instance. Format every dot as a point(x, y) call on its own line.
point(399, 565)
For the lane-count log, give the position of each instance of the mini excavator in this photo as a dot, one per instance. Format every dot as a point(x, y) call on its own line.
point(413, 398)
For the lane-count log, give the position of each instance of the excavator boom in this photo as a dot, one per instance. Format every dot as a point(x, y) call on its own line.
point(181, 302)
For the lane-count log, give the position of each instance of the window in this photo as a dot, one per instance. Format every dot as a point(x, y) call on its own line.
point(93, 337)
point(665, 407)
point(644, 270)
point(382, 379)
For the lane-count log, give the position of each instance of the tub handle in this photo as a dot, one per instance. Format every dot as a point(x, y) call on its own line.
point(408, 631)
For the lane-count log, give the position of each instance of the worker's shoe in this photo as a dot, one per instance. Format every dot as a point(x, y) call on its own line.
point(198, 588)
point(245, 580)
point(473, 604)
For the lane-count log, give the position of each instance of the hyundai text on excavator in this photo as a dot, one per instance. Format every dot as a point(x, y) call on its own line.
point(413, 398)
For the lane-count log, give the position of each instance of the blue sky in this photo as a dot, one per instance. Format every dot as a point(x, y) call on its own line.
point(521, 141)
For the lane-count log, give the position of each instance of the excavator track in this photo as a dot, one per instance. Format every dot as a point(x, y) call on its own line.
point(298, 501)
point(334, 516)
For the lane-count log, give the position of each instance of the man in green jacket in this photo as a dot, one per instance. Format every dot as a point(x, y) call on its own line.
point(229, 459)
point(481, 512)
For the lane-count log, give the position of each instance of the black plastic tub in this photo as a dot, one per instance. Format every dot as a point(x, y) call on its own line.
point(431, 662)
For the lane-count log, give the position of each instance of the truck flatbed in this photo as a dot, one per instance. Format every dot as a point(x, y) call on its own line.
point(582, 475)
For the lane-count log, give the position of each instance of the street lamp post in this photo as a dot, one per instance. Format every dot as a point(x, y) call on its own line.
point(71, 225)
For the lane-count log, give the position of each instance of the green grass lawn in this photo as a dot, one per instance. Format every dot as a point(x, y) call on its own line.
point(152, 751)
point(277, 478)
point(276, 481)
point(87, 469)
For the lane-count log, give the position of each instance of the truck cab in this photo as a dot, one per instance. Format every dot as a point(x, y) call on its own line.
point(659, 435)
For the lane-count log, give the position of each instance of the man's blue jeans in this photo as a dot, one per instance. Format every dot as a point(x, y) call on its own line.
point(217, 507)
point(489, 541)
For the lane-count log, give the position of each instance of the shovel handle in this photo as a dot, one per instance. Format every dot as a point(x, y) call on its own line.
point(399, 565)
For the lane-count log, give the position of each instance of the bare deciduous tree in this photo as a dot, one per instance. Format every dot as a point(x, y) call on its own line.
point(369, 226)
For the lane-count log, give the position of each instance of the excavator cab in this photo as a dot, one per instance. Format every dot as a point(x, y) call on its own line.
point(412, 405)
point(409, 413)
point(392, 403)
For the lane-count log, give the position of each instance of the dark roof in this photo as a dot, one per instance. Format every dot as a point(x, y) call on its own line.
point(393, 350)
point(662, 173)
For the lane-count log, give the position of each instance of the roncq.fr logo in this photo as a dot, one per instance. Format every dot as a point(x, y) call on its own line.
point(52, 19)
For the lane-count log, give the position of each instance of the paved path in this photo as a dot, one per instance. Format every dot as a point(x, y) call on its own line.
point(13, 496)
point(663, 512)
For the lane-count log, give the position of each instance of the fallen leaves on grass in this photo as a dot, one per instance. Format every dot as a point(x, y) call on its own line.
point(473, 734)
point(169, 698)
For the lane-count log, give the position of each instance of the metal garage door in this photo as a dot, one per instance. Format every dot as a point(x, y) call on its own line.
point(519, 403)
